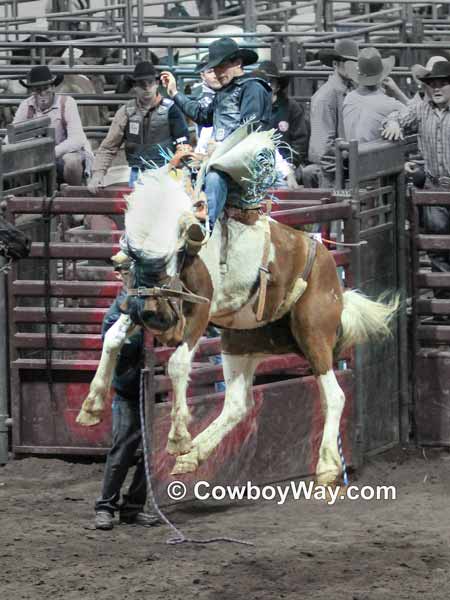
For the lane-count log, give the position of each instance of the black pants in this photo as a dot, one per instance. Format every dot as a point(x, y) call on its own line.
point(126, 440)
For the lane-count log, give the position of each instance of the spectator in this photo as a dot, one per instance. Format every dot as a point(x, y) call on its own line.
point(431, 120)
point(204, 94)
point(326, 115)
point(72, 149)
point(146, 124)
point(366, 108)
point(289, 119)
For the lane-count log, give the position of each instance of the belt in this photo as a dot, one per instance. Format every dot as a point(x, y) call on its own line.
point(443, 182)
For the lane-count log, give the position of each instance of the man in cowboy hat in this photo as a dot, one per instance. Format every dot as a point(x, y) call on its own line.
point(242, 97)
point(365, 109)
point(431, 119)
point(326, 114)
point(146, 124)
point(289, 119)
point(72, 148)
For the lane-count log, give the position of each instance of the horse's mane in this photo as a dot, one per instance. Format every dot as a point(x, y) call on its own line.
point(154, 208)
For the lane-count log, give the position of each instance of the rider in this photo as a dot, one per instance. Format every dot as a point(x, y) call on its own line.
point(242, 97)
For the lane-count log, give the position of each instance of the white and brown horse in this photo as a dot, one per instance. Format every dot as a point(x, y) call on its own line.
point(305, 311)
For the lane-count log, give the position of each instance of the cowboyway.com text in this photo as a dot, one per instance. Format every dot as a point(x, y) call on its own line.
point(301, 490)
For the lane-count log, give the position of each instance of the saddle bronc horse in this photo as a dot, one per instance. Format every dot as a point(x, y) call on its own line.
point(305, 311)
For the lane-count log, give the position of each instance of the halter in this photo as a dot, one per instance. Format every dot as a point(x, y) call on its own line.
point(159, 285)
point(162, 291)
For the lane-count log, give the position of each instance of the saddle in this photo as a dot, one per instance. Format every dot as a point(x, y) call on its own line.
point(271, 299)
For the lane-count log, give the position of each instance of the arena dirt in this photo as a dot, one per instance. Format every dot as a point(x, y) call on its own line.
point(303, 550)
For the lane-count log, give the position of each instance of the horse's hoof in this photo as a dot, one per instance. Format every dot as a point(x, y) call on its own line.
point(88, 419)
point(186, 463)
point(177, 446)
point(328, 478)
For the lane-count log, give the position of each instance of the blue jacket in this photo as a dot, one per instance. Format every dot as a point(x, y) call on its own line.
point(245, 98)
point(126, 378)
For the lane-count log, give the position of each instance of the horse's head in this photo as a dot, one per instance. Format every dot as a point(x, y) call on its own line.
point(153, 241)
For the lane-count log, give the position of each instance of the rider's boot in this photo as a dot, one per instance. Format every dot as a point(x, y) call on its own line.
point(196, 236)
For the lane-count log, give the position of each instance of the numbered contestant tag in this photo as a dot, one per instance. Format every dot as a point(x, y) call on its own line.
point(133, 128)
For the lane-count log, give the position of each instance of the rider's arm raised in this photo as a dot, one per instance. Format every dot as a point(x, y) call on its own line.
point(202, 115)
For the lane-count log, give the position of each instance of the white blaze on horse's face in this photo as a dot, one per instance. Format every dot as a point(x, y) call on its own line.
point(155, 209)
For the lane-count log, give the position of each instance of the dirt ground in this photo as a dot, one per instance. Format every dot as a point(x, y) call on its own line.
point(359, 550)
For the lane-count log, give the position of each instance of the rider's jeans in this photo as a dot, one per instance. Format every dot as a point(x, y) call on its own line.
point(216, 189)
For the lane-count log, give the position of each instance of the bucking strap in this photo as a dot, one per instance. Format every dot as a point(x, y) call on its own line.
point(263, 272)
point(312, 249)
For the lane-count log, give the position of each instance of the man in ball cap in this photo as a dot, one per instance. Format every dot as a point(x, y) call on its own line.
point(204, 93)
point(326, 114)
point(72, 148)
point(242, 97)
point(146, 124)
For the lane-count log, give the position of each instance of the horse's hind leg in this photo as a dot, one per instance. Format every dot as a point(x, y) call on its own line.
point(238, 374)
point(315, 333)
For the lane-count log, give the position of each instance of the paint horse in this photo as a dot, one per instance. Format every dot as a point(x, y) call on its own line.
point(176, 295)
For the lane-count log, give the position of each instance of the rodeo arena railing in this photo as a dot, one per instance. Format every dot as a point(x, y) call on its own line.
point(58, 297)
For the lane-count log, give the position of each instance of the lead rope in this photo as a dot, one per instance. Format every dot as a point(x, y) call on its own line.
point(179, 537)
point(341, 454)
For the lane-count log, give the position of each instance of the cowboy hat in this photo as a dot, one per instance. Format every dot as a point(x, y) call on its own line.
point(41, 76)
point(419, 71)
point(271, 71)
point(144, 70)
point(370, 68)
point(343, 50)
point(226, 49)
point(201, 66)
point(439, 70)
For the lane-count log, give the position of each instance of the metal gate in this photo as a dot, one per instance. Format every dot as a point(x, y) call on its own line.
point(376, 191)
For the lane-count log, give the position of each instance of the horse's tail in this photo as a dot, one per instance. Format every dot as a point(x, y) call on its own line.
point(363, 319)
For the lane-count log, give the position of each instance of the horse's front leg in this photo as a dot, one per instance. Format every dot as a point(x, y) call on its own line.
point(93, 406)
point(179, 368)
point(238, 374)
